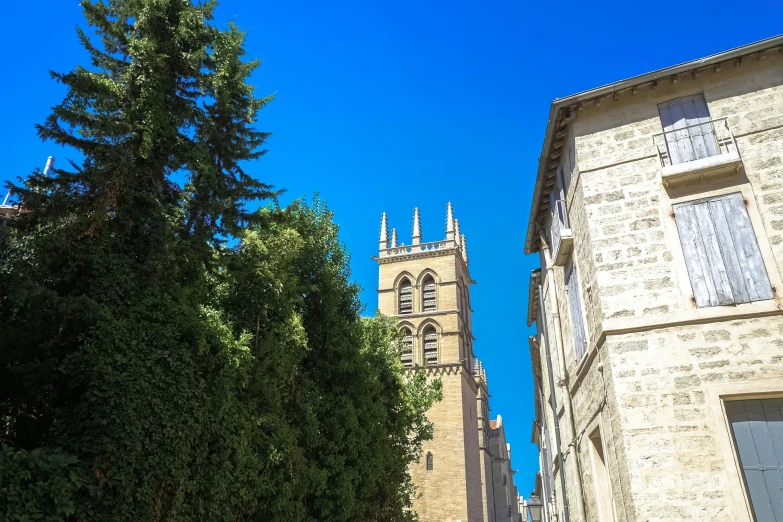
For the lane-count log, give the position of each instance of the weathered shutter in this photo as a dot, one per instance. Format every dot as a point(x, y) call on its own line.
point(689, 141)
point(757, 426)
point(575, 308)
point(721, 252)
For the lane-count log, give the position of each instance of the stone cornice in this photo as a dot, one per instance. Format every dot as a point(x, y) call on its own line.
point(437, 370)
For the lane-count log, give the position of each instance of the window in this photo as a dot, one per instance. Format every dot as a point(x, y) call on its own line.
point(557, 204)
point(689, 132)
point(406, 354)
point(757, 429)
point(721, 252)
point(429, 461)
point(603, 490)
point(504, 479)
point(406, 297)
point(430, 346)
point(575, 309)
point(428, 299)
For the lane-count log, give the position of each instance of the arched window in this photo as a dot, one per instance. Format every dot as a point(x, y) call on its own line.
point(504, 479)
point(428, 298)
point(406, 354)
point(429, 461)
point(430, 345)
point(406, 297)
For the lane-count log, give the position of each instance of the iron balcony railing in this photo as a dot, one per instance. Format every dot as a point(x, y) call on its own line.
point(694, 142)
point(559, 223)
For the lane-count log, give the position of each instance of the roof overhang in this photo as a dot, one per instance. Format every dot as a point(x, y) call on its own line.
point(565, 110)
point(532, 296)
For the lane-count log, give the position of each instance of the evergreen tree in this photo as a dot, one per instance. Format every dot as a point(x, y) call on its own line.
point(338, 423)
point(150, 372)
point(111, 351)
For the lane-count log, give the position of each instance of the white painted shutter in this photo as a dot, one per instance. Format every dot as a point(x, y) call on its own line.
point(690, 141)
point(721, 251)
point(575, 309)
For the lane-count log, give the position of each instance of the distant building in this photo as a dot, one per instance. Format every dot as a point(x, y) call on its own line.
point(504, 492)
point(426, 288)
point(658, 218)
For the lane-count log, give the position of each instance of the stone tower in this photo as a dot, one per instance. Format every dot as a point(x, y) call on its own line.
point(426, 287)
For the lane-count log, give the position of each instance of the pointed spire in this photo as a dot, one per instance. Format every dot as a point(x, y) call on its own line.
point(449, 222)
point(416, 227)
point(384, 241)
point(394, 238)
point(464, 249)
point(457, 234)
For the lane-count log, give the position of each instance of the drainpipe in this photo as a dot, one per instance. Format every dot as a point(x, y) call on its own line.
point(567, 395)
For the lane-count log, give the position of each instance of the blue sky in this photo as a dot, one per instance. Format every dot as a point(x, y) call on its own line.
point(385, 106)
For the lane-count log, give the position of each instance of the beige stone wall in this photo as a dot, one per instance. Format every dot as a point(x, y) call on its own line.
point(654, 359)
point(664, 378)
point(442, 492)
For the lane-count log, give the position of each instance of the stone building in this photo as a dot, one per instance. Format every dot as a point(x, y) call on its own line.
point(425, 286)
point(658, 360)
point(504, 492)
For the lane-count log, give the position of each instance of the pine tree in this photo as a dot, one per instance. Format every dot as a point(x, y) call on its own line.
point(114, 365)
point(150, 371)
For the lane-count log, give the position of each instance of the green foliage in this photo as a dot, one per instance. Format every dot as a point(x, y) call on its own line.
point(148, 371)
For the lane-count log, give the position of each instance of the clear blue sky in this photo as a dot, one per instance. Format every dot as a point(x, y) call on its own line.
point(384, 106)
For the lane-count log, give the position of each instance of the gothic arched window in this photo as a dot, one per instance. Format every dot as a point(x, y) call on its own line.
point(406, 354)
point(406, 297)
point(430, 345)
point(429, 461)
point(428, 296)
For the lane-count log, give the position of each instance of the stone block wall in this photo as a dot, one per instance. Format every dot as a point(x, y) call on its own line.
point(654, 358)
point(662, 384)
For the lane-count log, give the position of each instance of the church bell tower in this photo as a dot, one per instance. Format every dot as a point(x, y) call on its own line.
point(425, 286)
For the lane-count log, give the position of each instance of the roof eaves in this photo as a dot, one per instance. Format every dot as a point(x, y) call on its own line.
point(531, 244)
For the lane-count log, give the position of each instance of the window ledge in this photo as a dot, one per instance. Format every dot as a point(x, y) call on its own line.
point(701, 168)
point(564, 247)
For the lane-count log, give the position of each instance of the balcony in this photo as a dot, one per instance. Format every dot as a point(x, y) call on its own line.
point(561, 235)
point(698, 151)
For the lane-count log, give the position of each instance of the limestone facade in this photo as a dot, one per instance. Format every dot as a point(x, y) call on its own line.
point(642, 400)
point(504, 492)
point(426, 288)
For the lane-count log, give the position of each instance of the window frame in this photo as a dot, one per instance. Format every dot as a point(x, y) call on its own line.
point(717, 396)
point(423, 329)
point(429, 462)
point(399, 295)
point(428, 276)
point(403, 328)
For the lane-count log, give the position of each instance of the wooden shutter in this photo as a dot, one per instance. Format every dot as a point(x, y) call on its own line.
point(757, 427)
point(690, 141)
point(721, 251)
point(575, 308)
